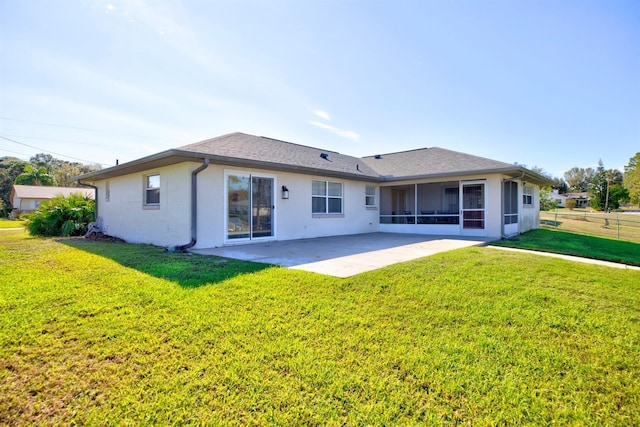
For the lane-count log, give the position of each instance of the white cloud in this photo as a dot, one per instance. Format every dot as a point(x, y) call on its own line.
point(342, 133)
point(322, 114)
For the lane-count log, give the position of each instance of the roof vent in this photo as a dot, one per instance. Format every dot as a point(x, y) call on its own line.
point(324, 155)
point(377, 156)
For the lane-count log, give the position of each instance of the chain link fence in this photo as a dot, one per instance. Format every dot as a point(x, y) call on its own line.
point(622, 226)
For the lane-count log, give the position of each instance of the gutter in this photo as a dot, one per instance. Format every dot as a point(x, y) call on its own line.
point(194, 208)
point(522, 174)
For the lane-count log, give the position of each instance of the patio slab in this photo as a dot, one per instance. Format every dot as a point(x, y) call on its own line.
point(344, 256)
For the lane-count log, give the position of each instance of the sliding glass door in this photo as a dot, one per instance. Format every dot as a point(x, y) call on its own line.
point(250, 206)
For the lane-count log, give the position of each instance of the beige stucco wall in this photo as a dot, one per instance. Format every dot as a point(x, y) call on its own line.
point(293, 217)
point(530, 215)
point(125, 216)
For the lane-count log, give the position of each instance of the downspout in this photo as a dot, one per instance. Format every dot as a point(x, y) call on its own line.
point(502, 204)
point(95, 198)
point(194, 206)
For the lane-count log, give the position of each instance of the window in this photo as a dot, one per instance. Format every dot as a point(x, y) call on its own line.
point(107, 191)
point(152, 190)
point(510, 201)
point(527, 195)
point(326, 197)
point(370, 196)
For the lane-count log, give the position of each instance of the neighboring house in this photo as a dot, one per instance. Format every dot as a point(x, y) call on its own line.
point(27, 198)
point(240, 188)
point(582, 199)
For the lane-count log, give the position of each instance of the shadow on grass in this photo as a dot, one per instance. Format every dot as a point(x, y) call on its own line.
point(581, 245)
point(187, 270)
point(551, 223)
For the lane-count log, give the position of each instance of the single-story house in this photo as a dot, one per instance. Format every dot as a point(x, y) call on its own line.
point(27, 198)
point(582, 199)
point(240, 188)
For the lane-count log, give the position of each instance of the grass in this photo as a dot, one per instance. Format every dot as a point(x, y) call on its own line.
point(113, 334)
point(11, 223)
point(576, 244)
point(620, 226)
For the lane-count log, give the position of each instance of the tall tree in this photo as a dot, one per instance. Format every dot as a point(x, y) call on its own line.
point(35, 176)
point(632, 178)
point(578, 179)
point(606, 188)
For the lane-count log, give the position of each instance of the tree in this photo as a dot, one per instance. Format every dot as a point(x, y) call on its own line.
point(632, 178)
point(606, 189)
point(546, 199)
point(10, 168)
point(578, 179)
point(47, 161)
point(560, 185)
point(35, 176)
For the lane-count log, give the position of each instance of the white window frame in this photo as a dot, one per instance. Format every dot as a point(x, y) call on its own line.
point(527, 196)
point(148, 187)
point(370, 196)
point(327, 197)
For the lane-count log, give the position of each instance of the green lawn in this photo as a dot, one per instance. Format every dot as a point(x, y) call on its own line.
point(11, 223)
point(576, 244)
point(117, 334)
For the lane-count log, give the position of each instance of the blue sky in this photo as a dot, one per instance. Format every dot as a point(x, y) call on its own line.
point(553, 84)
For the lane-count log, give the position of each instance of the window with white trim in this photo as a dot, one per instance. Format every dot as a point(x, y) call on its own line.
point(370, 196)
point(527, 195)
point(152, 190)
point(326, 197)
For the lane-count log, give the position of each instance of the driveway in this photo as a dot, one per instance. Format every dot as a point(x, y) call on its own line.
point(344, 256)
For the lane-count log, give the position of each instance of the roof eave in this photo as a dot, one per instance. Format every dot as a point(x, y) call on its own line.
point(513, 172)
point(173, 156)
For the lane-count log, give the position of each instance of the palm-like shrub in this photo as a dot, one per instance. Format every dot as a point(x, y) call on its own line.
point(62, 216)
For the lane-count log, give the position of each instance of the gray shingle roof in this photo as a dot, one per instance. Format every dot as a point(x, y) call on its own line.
point(431, 161)
point(243, 150)
point(261, 149)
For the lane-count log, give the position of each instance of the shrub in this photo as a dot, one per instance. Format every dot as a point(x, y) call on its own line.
point(62, 216)
point(570, 204)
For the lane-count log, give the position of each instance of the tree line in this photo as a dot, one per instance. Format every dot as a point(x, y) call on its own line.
point(41, 169)
point(607, 188)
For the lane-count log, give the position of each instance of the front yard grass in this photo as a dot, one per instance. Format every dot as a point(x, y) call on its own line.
point(11, 223)
point(118, 334)
point(576, 244)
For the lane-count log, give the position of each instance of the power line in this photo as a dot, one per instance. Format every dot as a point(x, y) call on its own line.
point(60, 140)
point(52, 152)
point(87, 129)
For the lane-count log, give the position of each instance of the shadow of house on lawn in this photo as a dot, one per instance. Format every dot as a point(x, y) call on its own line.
point(187, 270)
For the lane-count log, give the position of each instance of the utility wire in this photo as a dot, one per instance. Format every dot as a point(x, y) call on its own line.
point(52, 152)
point(88, 129)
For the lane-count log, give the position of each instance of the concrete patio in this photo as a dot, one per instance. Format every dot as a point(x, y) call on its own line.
point(344, 256)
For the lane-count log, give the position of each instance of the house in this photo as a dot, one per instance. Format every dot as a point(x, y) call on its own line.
point(240, 188)
point(582, 199)
point(27, 198)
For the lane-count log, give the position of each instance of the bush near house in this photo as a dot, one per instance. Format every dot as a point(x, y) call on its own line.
point(570, 204)
point(62, 216)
